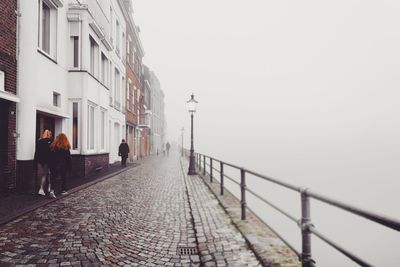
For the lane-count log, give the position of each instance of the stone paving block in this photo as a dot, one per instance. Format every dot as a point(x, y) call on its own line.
point(136, 218)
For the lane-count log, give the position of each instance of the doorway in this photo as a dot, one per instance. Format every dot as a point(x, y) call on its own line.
point(44, 122)
point(4, 106)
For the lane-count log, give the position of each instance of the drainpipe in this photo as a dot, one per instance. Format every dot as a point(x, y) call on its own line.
point(16, 133)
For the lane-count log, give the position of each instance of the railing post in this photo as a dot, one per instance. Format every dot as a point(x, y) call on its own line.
point(221, 172)
point(211, 170)
point(306, 259)
point(243, 192)
point(204, 165)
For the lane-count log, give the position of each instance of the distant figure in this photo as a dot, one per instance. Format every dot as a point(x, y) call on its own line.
point(61, 160)
point(168, 147)
point(123, 152)
point(42, 161)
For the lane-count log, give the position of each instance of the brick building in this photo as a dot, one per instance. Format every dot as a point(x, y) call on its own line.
point(134, 55)
point(8, 91)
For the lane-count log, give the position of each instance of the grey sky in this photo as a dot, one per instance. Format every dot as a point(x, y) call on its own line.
point(307, 91)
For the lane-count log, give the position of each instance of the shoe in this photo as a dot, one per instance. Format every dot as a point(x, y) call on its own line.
point(41, 192)
point(52, 195)
point(64, 193)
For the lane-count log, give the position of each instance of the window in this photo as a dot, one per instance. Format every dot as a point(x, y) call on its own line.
point(117, 89)
point(94, 50)
point(75, 126)
point(47, 27)
point(117, 33)
point(90, 132)
point(104, 66)
point(128, 95)
point(102, 130)
point(56, 99)
point(74, 36)
point(135, 100)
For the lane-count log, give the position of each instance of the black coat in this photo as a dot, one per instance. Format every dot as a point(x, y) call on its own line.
point(42, 152)
point(61, 161)
point(123, 150)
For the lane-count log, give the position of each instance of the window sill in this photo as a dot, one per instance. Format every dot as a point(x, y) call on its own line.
point(47, 55)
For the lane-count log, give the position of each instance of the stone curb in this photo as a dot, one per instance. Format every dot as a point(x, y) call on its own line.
point(267, 247)
point(70, 192)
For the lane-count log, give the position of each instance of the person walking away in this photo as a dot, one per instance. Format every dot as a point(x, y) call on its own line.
point(168, 147)
point(42, 162)
point(123, 152)
point(61, 157)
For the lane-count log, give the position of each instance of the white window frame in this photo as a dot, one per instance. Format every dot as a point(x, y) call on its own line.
point(72, 35)
point(77, 150)
point(90, 127)
point(53, 24)
point(94, 57)
point(104, 73)
point(103, 129)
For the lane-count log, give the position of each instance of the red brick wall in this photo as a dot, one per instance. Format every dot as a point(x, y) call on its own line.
point(8, 64)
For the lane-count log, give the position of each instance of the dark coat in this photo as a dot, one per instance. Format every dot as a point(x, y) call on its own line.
point(61, 161)
point(42, 152)
point(123, 150)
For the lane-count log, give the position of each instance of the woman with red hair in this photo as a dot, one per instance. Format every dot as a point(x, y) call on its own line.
point(61, 159)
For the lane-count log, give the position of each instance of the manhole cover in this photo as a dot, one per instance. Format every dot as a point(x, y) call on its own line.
point(187, 251)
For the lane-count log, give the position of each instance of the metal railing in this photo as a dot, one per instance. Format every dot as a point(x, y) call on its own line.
point(305, 223)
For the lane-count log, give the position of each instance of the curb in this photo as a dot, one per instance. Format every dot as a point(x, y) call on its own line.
point(74, 190)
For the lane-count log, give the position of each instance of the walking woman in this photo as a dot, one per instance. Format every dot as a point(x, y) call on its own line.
point(61, 157)
point(42, 162)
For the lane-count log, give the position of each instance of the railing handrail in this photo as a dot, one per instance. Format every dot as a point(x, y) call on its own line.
point(305, 222)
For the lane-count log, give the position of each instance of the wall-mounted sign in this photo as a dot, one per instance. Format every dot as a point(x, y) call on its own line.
point(2, 80)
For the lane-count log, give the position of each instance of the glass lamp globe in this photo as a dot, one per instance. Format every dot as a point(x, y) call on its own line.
point(192, 104)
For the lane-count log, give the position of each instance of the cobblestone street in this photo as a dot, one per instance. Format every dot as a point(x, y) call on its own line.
point(138, 218)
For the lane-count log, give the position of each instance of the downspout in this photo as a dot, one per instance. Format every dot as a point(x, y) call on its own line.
point(16, 133)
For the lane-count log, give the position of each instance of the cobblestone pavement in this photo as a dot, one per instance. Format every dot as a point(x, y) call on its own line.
point(137, 218)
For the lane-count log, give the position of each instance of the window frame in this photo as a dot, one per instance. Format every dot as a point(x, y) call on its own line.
point(53, 25)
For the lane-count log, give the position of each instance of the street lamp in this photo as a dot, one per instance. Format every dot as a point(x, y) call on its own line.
point(183, 129)
point(191, 105)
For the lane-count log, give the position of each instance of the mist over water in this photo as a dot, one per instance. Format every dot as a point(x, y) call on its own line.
point(303, 91)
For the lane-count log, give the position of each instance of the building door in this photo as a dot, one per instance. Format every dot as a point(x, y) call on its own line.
point(44, 122)
point(3, 143)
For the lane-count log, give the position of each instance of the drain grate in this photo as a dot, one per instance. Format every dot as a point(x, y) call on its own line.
point(187, 251)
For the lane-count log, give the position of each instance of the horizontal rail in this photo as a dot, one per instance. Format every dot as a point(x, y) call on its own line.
point(339, 248)
point(278, 235)
point(229, 178)
point(305, 223)
point(273, 206)
point(380, 219)
point(272, 180)
point(216, 170)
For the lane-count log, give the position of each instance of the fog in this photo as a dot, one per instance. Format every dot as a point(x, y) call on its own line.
point(303, 91)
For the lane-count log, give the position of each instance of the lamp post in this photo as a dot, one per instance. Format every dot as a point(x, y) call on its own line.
point(191, 104)
point(182, 130)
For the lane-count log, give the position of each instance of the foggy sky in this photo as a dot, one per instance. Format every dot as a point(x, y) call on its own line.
point(307, 91)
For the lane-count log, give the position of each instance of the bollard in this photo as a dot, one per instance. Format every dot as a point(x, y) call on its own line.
point(306, 259)
point(243, 192)
point(221, 167)
point(204, 166)
point(211, 170)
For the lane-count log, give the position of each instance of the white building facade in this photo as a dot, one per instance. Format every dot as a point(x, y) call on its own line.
point(157, 115)
point(71, 77)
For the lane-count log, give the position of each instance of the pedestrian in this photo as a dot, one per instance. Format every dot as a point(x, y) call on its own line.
point(42, 162)
point(61, 160)
point(168, 147)
point(123, 152)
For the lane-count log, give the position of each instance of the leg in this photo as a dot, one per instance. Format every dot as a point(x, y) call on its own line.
point(64, 181)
